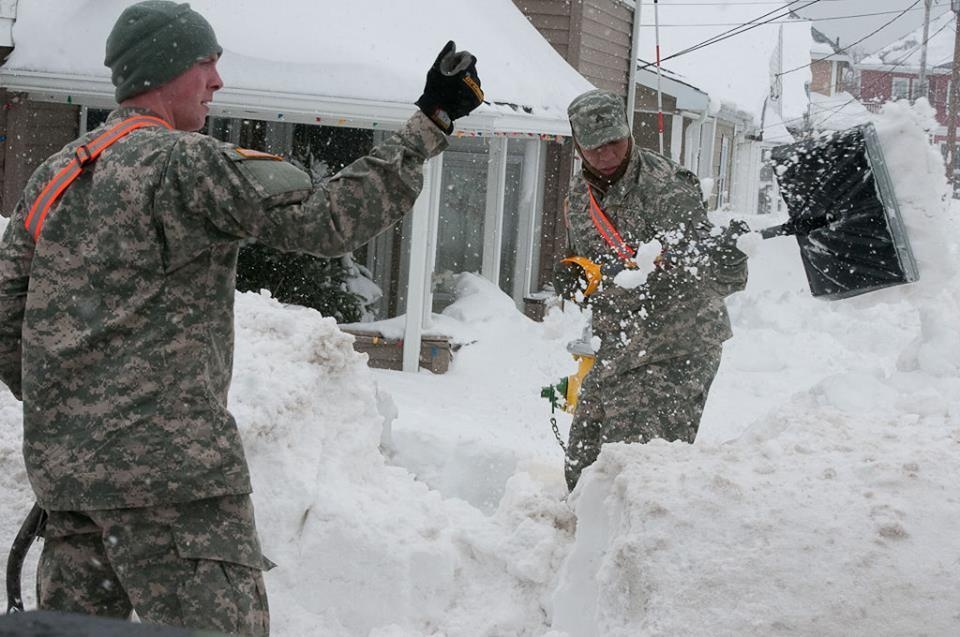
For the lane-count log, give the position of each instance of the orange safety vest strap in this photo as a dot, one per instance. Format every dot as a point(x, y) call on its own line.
point(607, 229)
point(85, 154)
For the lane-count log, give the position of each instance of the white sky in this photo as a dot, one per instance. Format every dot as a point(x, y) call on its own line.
point(850, 30)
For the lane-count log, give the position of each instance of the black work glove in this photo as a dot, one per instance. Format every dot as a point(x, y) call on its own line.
point(452, 89)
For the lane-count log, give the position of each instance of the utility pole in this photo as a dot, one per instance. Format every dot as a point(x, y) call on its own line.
point(922, 89)
point(953, 98)
point(634, 54)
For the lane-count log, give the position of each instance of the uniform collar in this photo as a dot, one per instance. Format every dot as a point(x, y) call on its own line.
point(126, 112)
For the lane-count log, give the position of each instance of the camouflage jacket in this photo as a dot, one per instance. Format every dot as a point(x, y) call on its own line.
point(116, 327)
point(680, 310)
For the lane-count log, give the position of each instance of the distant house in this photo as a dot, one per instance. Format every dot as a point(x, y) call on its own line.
point(893, 73)
point(832, 84)
point(831, 69)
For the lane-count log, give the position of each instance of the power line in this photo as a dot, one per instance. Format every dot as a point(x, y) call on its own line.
point(839, 17)
point(853, 44)
point(729, 33)
point(742, 4)
point(896, 63)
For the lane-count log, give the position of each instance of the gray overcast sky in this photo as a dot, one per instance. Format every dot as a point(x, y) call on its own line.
point(851, 30)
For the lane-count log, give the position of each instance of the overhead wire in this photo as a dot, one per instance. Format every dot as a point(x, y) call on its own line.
point(897, 63)
point(741, 28)
point(847, 48)
point(900, 61)
point(741, 4)
point(839, 17)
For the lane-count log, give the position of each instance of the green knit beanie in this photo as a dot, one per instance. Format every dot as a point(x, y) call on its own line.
point(155, 41)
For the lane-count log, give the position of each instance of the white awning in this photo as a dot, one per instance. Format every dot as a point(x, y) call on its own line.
point(360, 63)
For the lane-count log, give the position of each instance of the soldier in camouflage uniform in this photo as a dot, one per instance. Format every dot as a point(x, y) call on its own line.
point(660, 343)
point(116, 325)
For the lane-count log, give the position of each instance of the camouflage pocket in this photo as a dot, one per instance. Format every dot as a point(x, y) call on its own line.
point(270, 176)
point(244, 552)
point(227, 597)
point(219, 529)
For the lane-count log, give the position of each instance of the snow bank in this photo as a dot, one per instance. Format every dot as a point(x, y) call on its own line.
point(467, 431)
point(827, 508)
point(362, 547)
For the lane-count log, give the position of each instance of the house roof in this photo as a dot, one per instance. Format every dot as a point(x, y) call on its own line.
point(359, 63)
point(689, 97)
point(905, 52)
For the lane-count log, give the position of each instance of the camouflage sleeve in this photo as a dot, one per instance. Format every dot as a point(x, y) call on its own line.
point(277, 209)
point(696, 251)
point(16, 256)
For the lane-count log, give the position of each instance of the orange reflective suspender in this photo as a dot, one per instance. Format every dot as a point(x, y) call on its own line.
point(85, 154)
point(607, 229)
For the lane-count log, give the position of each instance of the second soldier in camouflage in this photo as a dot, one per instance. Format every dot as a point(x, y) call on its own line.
point(660, 343)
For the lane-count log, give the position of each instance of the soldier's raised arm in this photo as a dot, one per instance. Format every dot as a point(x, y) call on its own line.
point(250, 194)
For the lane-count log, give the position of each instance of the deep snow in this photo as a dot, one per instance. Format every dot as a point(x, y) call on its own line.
point(819, 498)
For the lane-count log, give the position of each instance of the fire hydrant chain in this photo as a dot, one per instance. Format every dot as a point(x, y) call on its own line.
point(556, 432)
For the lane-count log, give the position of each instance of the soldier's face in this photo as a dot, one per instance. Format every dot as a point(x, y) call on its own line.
point(606, 159)
point(189, 94)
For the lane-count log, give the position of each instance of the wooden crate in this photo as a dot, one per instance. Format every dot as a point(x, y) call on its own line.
point(436, 352)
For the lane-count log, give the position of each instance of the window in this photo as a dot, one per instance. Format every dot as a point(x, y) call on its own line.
point(901, 88)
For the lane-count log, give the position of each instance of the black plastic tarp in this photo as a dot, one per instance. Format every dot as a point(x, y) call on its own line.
point(844, 213)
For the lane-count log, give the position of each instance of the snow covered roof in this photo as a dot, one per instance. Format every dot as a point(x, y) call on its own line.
point(689, 97)
point(358, 63)
point(773, 129)
point(735, 70)
point(836, 112)
point(905, 52)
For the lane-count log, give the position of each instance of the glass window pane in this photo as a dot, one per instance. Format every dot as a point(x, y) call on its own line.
point(463, 203)
point(511, 215)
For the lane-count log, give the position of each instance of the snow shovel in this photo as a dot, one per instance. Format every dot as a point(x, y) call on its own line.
point(30, 530)
point(844, 214)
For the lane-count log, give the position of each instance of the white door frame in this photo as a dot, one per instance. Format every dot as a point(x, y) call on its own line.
point(422, 256)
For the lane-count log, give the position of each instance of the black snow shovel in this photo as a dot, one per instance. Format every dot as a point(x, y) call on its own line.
point(30, 530)
point(844, 214)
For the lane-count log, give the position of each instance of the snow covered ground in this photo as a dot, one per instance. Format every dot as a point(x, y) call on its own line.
point(819, 499)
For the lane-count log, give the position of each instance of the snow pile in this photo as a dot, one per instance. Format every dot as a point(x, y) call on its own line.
point(836, 112)
point(467, 431)
point(362, 547)
point(830, 508)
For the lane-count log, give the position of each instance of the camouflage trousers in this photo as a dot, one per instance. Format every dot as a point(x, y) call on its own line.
point(659, 400)
point(195, 565)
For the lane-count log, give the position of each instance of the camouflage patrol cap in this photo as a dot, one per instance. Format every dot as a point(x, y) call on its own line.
point(597, 118)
